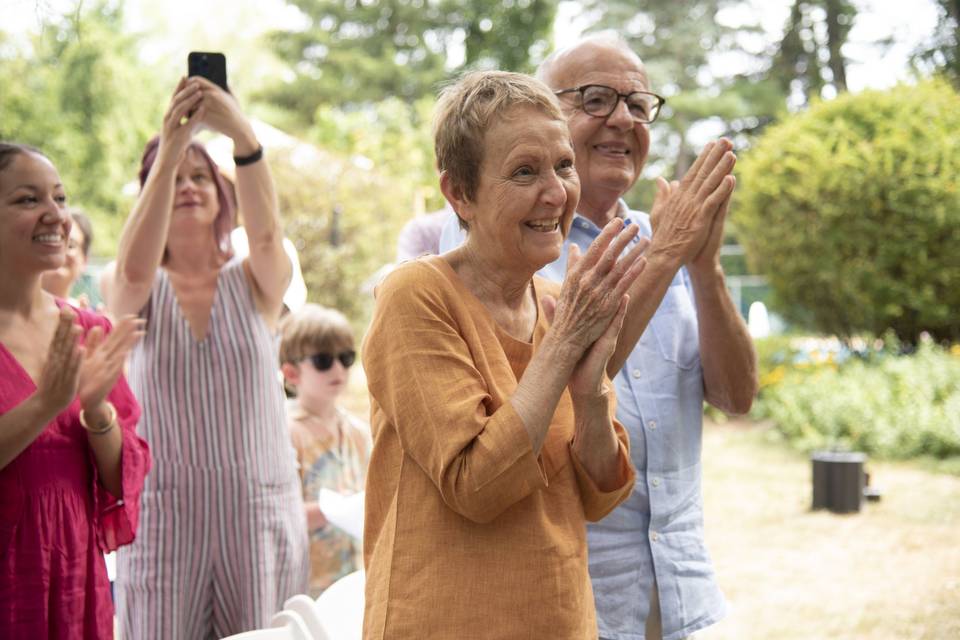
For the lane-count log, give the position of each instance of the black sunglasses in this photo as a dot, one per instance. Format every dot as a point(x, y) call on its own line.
point(323, 361)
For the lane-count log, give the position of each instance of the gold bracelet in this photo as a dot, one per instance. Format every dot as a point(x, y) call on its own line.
point(111, 423)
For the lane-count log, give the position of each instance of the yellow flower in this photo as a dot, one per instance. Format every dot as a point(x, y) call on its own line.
point(773, 376)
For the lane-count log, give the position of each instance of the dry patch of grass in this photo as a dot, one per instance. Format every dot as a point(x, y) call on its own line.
point(889, 572)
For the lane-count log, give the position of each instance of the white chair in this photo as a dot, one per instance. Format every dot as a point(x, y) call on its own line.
point(263, 634)
point(340, 607)
point(291, 621)
point(306, 607)
point(285, 625)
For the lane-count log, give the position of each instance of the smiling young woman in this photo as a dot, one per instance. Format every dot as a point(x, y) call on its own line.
point(71, 463)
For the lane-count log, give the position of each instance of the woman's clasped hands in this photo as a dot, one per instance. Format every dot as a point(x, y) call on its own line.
point(593, 300)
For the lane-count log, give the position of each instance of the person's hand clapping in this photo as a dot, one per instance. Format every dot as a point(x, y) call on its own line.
point(586, 381)
point(57, 385)
point(684, 213)
point(709, 255)
point(593, 300)
point(103, 359)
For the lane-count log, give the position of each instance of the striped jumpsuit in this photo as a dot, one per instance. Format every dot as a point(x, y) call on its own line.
point(223, 539)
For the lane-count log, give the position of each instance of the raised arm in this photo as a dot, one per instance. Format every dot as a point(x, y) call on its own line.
point(727, 354)
point(601, 283)
point(682, 219)
point(144, 235)
point(269, 265)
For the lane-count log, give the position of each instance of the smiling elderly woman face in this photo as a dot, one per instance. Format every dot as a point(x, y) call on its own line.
point(506, 162)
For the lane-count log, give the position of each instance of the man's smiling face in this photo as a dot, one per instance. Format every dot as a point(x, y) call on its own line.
point(611, 151)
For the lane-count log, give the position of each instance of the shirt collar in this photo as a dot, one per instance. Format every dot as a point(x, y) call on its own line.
point(583, 222)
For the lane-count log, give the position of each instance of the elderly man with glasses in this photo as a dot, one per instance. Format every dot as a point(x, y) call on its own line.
point(686, 343)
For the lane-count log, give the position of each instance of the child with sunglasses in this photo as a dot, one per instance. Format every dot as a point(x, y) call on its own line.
point(333, 447)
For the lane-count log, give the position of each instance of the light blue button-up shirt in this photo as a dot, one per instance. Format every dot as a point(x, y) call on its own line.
point(658, 531)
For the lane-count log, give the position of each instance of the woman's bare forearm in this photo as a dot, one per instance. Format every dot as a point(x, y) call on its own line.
point(142, 241)
point(107, 453)
point(541, 386)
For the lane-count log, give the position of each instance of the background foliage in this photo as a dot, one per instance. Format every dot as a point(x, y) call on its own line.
point(852, 210)
point(356, 78)
point(876, 400)
point(79, 94)
point(351, 52)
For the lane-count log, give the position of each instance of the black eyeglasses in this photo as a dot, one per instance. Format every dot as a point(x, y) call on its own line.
point(600, 101)
point(323, 361)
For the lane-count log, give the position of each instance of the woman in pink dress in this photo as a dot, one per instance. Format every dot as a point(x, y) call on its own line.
point(71, 463)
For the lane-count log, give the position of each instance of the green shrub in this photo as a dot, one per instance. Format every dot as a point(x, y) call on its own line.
point(881, 403)
point(344, 221)
point(852, 210)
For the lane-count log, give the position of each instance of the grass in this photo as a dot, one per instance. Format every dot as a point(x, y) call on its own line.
point(890, 572)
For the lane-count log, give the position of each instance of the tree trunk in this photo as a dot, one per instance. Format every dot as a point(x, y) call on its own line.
point(836, 36)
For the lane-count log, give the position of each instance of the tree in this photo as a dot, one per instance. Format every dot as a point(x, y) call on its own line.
point(809, 57)
point(343, 218)
point(352, 53)
point(676, 41)
point(852, 211)
point(942, 51)
point(79, 94)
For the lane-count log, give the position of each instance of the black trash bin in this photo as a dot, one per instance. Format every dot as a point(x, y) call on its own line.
point(838, 480)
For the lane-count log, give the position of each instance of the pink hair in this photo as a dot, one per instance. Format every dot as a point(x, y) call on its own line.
point(226, 218)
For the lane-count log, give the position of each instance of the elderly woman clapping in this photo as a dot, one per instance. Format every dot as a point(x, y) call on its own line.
point(494, 440)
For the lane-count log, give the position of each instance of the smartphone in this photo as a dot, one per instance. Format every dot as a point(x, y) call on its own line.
point(209, 65)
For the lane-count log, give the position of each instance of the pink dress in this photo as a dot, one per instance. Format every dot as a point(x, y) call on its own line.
point(56, 520)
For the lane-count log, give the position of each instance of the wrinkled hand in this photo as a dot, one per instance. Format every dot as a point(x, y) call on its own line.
point(57, 385)
point(103, 359)
point(709, 255)
point(586, 380)
point(182, 120)
point(684, 212)
point(596, 283)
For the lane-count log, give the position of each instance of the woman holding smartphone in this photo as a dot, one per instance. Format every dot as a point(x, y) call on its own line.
point(223, 541)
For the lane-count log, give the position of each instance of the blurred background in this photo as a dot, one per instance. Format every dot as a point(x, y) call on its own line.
point(845, 226)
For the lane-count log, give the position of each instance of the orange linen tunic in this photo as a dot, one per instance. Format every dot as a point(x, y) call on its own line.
point(468, 534)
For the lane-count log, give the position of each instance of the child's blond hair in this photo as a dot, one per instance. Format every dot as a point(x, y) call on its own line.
point(313, 329)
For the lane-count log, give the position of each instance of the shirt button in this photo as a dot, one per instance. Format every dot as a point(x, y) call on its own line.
point(654, 536)
point(655, 482)
point(652, 424)
point(636, 373)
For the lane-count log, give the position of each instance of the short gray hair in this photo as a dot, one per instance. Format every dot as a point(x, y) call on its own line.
point(468, 108)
